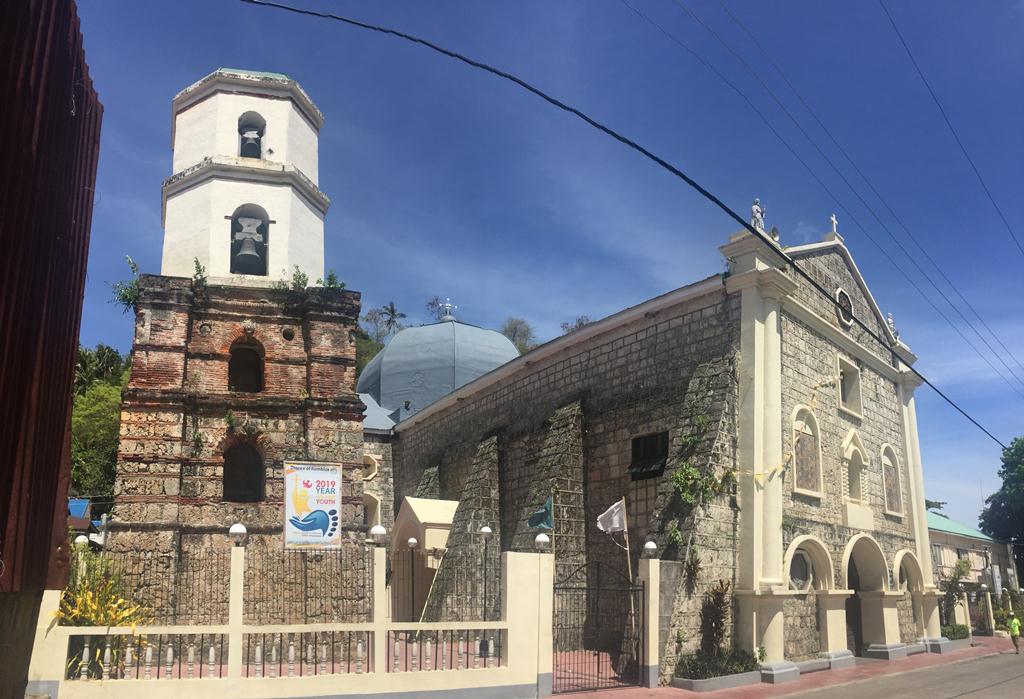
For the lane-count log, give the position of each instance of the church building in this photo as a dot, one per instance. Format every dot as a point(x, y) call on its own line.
point(757, 435)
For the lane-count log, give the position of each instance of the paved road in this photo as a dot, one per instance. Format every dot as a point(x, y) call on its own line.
point(994, 677)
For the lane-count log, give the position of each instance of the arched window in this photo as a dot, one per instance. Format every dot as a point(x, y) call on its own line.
point(806, 453)
point(250, 240)
point(243, 473)
point(854, 461)
point(801, 571)
point(245, 368)
point(250, 135)
point(891, 481)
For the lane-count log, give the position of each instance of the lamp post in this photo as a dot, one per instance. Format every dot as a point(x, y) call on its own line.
point(485, 532)
point(412, 577)
point(541, 541)
point(650, 547)
point(378, 535)
point(237, 532)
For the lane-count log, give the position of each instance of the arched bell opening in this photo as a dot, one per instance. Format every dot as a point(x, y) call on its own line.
point(250, 240)
point(251, 127)
point(245, 368)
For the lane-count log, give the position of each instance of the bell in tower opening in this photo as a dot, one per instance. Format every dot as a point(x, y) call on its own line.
point(249, 240)
point(250, 131)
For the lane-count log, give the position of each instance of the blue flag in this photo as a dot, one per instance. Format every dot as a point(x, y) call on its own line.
point(544, 517)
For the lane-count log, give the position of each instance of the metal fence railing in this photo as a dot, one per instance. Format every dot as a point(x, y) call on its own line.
point(171, 588)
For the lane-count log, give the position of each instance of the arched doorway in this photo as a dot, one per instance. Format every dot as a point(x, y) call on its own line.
point(865, 573)
point(910, 581)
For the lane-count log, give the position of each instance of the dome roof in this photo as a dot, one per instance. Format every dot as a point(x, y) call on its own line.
point(425, 363)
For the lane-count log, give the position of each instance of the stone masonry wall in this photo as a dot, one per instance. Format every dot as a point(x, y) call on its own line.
point(656, 374)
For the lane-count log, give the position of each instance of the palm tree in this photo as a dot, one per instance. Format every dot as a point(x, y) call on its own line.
point(391, 317)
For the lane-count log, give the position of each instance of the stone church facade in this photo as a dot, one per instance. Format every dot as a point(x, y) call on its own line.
point(806, 424)
point(755, 432)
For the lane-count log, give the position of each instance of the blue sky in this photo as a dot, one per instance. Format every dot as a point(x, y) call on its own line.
point(446, 181)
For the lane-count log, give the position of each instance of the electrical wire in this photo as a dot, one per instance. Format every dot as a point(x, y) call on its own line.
point(838, 203)
point(786, 259)
point(956, 136)
point(923, 249)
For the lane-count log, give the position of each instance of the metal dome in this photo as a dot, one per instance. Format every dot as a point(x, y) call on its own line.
point(425, 363)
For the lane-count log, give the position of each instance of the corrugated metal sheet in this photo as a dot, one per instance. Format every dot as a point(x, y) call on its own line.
point(49, 148)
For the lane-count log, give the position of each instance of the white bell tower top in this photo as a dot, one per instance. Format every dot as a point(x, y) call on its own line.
point(243, 198)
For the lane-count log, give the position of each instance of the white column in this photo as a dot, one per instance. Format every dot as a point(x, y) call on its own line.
point(235, 607)
point(771, 533)
point(915, 472)
point(650, 574)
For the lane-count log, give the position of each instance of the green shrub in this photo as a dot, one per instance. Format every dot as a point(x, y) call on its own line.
point(701, 666)
point(1000, 617)
point(955, 632)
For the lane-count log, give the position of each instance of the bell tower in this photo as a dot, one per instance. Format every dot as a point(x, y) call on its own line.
point(243, 197)
point(233, 377)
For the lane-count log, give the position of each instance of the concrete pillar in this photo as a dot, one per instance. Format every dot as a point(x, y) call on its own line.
point(934, 641)
point(650, 575)
point(912, 452)
point(880, 623)
point(771, 571)
point(381, 609)
point(990, 619)
point(235, 609)
point(832, 622)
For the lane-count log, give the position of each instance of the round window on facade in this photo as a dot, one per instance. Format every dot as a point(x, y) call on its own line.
point(288, 334)
point(801, 573)
point(845, 307)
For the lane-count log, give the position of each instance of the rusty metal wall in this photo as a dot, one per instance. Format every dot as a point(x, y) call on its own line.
point(49, 147)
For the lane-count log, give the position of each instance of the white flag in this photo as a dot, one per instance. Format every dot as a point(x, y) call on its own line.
point(613, 519)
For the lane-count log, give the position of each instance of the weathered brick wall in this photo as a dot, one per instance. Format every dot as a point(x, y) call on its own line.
point(178, 416)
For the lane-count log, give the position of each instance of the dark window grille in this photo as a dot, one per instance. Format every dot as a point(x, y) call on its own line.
point(650, 452)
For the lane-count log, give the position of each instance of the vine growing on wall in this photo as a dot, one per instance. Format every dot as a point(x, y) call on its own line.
point(694, 488)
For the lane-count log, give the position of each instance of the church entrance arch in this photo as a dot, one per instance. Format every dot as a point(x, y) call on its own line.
point(910, 581)
point(865, 573)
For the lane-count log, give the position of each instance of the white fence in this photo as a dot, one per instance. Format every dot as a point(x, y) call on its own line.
point(508, 658)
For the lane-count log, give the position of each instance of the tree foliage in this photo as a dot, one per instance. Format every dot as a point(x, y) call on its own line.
point(519, 332)
point(95, 421)
point(126, 291)
point(366, 349)
point(1003, 516)
point(575, 325)
point(934, 505)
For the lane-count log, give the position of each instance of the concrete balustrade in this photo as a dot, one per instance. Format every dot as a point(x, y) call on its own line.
point(521, 643)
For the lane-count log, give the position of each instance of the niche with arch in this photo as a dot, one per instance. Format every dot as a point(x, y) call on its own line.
point(243, 478)
point(806, 453)
point(891, 485)
point(251, 127)
point(250, 240)
point(245, 368)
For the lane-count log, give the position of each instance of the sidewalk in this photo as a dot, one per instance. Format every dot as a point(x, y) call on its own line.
point(864, 670)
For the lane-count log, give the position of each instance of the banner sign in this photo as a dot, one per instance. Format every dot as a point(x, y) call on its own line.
point(312, 505)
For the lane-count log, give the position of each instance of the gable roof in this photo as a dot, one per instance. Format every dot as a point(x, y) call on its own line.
point(942, 523)
point(834, 242)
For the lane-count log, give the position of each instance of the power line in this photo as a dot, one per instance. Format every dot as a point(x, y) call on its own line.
point(857, 194)
point(924, 250)
point(639, 149)
point(956, 136)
